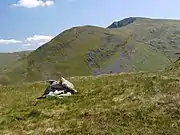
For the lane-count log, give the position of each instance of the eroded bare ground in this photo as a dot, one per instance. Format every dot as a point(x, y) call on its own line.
point(110, 46)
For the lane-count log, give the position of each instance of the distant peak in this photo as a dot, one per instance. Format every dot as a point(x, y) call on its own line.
point(124, 22)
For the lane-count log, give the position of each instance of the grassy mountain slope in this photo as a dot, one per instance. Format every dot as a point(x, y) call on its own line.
point(77, 51)
point(133, 44)
point(139, 103)
point(160, 34)
point(7, 59)
point(174, 68)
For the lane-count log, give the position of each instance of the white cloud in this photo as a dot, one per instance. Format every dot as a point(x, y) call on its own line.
point(30, 43)
point(39, 38)
point(36, 41)
point(10, 41)
point(33, 3)
point(49, 3)
point(26, 45)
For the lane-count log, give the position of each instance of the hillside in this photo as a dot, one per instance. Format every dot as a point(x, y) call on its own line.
point(130, 45)
point(160, 34)
point(8, 59)
point(174, 68)
point(138, 104)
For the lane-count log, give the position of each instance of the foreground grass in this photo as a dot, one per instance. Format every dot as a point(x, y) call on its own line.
point(110, 104)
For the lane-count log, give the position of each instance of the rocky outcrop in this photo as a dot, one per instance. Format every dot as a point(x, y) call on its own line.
point(122, 23)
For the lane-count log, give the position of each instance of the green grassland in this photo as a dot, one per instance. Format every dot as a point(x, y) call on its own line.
point(8, 59)
point(134, 103)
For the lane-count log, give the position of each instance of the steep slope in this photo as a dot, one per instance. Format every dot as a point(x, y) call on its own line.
point(133, 44)
point(161, 34)
point(138, 104)
point(77, 51)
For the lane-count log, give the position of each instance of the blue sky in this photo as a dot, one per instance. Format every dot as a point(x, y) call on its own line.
point(27, 24)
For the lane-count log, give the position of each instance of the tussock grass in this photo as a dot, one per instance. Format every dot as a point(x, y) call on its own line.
point(142, 103)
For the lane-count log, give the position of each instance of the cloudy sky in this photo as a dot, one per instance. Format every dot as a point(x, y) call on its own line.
point(27, 24)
